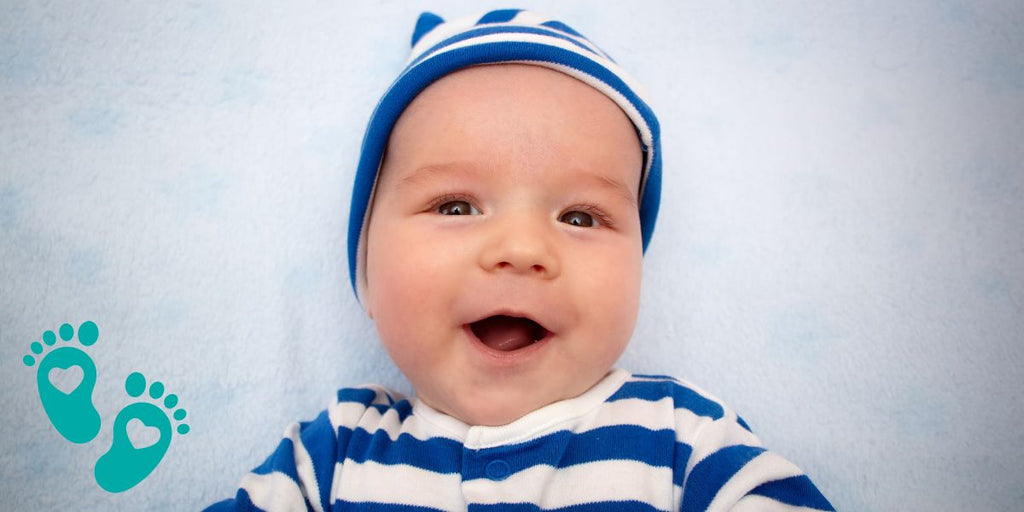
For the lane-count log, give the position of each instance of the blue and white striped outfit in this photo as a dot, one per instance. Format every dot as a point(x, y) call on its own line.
point(641, 443)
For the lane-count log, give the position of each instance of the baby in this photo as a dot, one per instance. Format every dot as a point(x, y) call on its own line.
point(508, 185)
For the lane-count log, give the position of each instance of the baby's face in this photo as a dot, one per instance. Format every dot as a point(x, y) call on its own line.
point(504, 246)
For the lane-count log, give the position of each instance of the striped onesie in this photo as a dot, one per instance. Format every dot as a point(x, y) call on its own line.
point(629, 443)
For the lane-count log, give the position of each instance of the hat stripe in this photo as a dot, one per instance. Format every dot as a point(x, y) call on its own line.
point(558, 25)
point(499, 16)
point(505, 29)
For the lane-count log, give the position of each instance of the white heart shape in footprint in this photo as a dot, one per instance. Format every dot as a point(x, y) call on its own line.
point(66, 380)
point(141, 435)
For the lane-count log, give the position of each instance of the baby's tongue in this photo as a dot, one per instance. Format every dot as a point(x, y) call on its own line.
point(505, 333)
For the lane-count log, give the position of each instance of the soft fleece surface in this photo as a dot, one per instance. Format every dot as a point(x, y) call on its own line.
point(839, 255)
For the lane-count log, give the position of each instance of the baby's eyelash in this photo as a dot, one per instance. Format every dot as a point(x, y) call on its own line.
point(602, 217)
point(447, 198)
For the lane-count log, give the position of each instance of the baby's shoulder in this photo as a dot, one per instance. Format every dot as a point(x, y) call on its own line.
point(694, 412)
point(682, 394)
point(367, 405)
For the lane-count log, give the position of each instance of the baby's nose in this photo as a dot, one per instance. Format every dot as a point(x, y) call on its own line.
point(522, 246)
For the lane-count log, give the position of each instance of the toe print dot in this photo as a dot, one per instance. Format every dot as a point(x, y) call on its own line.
point(156, 390)
point(36, 348)
point(67, 332)
point(179, 414)
point(170, 401)
point(88, 333)
point(135, 384)
point(183, 429)
point(49, 338)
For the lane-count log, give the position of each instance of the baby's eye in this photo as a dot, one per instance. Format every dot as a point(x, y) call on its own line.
point(578, 218)
point(457, 208)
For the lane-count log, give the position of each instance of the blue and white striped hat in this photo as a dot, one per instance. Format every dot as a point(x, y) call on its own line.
point(503, 36)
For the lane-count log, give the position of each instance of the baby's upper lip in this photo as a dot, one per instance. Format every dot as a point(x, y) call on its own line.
point(515, 313)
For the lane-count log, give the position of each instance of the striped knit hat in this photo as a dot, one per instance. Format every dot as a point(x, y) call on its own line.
point(503, 36)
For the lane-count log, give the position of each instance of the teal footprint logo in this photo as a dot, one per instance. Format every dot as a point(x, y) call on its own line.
point(71, 412)
point(125, 464)
point(66, 378)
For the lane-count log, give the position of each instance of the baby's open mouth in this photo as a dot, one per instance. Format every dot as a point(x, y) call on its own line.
point(508, 333)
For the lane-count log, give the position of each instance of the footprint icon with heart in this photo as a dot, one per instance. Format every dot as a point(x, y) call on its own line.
point(65, 378)
point(142, 434)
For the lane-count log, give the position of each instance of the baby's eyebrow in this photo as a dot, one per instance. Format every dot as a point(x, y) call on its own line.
point(456, 170)
point(429, 172)
point(615, 186)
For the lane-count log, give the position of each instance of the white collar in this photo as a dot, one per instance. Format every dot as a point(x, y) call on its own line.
point(547, 419)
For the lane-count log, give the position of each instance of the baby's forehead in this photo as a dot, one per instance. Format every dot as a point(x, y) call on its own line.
point(506, 83)
point(490, 96)
point(507, 117)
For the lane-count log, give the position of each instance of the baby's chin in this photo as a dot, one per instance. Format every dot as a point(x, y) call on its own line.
point(489, 413)
point(485, 418)
point(497, 407)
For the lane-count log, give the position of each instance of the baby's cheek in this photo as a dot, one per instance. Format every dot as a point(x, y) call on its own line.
point(617, 297)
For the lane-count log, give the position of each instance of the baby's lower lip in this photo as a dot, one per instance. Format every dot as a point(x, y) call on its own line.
point(507, 333)
point(506, 354)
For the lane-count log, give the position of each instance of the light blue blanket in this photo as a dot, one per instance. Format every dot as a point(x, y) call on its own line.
point(839, 255)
